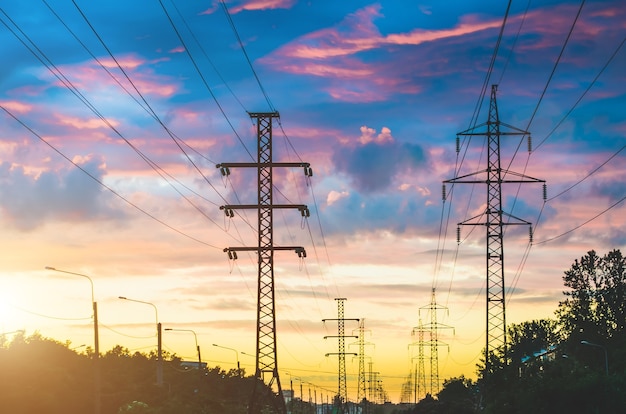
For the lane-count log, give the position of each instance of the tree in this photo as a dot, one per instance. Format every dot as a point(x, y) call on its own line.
point(457, 396)
point(531, 340)
point(595, 305)
point(40, 375)
point(530, 344)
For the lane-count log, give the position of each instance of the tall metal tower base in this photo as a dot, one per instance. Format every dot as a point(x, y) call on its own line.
point(266, 360)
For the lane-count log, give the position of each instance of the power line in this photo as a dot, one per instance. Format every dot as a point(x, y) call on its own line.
point(76, 92)
point(588, 174)
point(556, 64)
point(148, 106)
point(527, 250)
point(204, 81)
point(243, 49)
point(519, 29)
point(606, 64)
point(206, 55)
point(288, 141)
point(127, 201)
point(584, 223)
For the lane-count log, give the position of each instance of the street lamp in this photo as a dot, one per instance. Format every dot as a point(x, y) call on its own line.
point(606, 356)
point(196, 339)
point(237, 356)
point(96, 340)
point(159, 373)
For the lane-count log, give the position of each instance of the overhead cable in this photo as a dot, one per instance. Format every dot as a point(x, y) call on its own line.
point(127, 201)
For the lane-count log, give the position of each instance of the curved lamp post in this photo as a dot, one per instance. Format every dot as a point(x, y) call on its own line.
point(96, 340)
point(606, 355)
point(195, 338)
point(236, 355)
point(159, 373)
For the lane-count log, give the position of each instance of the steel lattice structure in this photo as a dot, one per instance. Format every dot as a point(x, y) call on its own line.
point(434, 343)
point(342, 389)
point(493, 221)
point(266, 358)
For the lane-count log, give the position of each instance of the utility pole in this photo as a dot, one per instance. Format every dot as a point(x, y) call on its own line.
point(493, 220)
point(342, 392)
point(266, 359)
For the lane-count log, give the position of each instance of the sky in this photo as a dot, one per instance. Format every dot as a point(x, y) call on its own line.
point(115, 115)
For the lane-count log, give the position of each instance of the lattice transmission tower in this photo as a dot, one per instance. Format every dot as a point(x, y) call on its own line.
point(361, 343)
point(432, 328)
point(266, 359)
point(493, 220)
point(420, 370)
point(342, 388)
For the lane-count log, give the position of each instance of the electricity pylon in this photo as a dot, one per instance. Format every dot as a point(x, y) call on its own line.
point(362, 386)
point(492, 219)
point(266, 359)
point(434, 343)
point(342, 389)
point(434, 327)
point(420, 371)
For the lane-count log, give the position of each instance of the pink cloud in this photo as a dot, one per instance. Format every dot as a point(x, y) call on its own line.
point(553, 24)
point(252, 5)
point(342, 93)
point(369, 135)
point(89, 75)
point(92, 123)
point(331, 53)
point(357, 33)
point(469, 25)
point(611, 12)
point(329, 70)
point(263, 5)
point(126, 62)
point(178, 49)
point(334, 196)
point(16, 106)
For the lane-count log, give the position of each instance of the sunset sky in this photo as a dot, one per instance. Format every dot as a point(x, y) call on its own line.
point(115, 114)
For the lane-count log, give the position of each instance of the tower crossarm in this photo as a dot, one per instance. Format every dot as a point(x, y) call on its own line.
point(466, 179)
point(514, 221)
point(474, 131)
point(225, 167)
point(232, 251)
point(265, 164)
point(228, 209)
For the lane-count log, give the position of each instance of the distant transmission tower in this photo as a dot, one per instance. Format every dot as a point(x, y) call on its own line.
point(434, 327)
point(342, 392)
point(493, 220)
point(406, 393)
point(420, 371)
point(434, 343)
point(266, 360)
point(362, 386)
